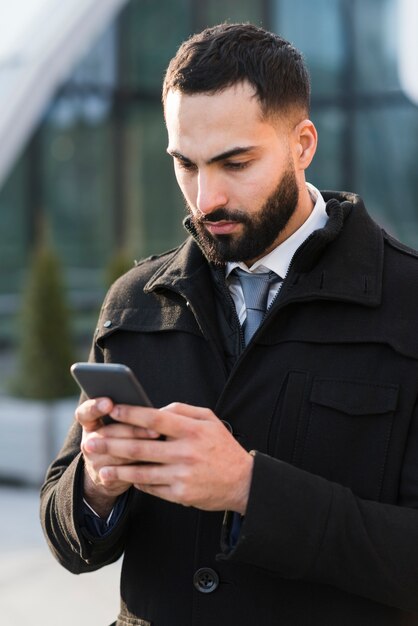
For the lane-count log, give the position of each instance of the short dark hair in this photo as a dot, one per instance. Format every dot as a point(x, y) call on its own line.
point(228, 54)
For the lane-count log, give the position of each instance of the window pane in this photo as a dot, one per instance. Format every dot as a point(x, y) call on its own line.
point(315, 28)
point(375, 46)
point(13, 228)
point(149, 38)
point(99, 66)
point(155, 205)
point(386, 155)
point(78, 183)
point(217, 11)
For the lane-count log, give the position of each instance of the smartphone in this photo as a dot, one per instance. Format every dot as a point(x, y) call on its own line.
point(110, 380)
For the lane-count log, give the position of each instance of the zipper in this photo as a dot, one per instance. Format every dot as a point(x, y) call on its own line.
point(230, 299)
point(289, 268)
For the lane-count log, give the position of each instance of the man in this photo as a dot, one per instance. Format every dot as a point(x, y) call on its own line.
point(285, 487)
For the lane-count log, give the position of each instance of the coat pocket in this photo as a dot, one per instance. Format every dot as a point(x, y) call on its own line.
point(337, 428)
point(347, 433)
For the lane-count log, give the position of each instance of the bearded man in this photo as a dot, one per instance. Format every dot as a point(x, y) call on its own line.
point(278, 346)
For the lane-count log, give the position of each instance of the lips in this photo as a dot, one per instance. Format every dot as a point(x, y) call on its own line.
point(222, 227)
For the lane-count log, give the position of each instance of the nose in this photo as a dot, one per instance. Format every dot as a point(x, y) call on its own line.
point(211, 193)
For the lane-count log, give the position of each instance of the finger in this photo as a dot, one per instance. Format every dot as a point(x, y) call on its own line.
point(97, 459)
point(147, 418)
point(156, 480)
point(135, 450)
point(164, 421)
point(90, 412)
point(140, 474)
point(189, 410)
point(165, 492)
point(126, 431)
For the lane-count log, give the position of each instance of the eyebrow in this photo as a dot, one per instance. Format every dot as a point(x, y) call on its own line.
point(219, 157)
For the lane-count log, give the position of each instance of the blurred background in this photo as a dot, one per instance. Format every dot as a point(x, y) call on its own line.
point(86, 187)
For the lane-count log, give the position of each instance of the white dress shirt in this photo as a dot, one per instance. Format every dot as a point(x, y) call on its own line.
point(279, 259)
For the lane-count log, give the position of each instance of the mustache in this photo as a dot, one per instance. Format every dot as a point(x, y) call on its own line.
point(221, 214)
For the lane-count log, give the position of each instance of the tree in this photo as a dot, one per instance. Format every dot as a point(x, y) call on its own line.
point(45, 346)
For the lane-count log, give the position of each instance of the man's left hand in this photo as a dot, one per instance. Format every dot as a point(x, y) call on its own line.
point(198, 463)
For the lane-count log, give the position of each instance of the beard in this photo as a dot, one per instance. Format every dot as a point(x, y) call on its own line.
point(259, 231)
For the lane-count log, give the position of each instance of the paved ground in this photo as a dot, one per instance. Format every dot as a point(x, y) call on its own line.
point(34, 589)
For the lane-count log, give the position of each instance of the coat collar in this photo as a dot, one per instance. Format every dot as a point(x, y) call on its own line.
point(343, 261)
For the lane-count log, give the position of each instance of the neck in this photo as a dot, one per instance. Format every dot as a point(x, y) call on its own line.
point(303, 210)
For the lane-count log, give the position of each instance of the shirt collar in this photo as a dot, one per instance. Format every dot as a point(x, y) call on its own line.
point(279, 259)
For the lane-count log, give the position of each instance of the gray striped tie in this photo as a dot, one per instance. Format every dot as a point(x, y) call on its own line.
point(255, 288)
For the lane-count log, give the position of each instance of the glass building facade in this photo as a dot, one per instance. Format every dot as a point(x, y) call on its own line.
point(96, 171)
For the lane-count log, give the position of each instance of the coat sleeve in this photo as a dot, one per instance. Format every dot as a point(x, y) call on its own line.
point(304, 527)
point(61, 514)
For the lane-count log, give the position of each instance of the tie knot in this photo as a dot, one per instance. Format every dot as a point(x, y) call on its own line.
point(255, 288)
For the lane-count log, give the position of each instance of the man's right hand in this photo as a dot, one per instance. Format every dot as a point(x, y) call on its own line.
point(89, 415)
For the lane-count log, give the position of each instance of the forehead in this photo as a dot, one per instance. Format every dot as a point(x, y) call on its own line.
point(201, 125)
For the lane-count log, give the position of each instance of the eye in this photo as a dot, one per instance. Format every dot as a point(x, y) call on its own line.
point(236, 165)
point(188, 166)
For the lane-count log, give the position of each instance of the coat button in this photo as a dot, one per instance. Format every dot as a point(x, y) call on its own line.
point(107, 324)
point(206, 580)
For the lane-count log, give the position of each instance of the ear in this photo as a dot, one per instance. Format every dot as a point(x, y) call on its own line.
point(305, 141)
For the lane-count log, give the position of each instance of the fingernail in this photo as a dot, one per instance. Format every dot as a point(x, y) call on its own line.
point(103, 405)
point(106, 473)
point(115, 412)
point(91, 445)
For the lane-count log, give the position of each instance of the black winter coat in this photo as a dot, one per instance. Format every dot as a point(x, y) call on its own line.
point(326, 394)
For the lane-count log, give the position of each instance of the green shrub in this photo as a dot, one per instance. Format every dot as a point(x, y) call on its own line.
point(45, 343)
